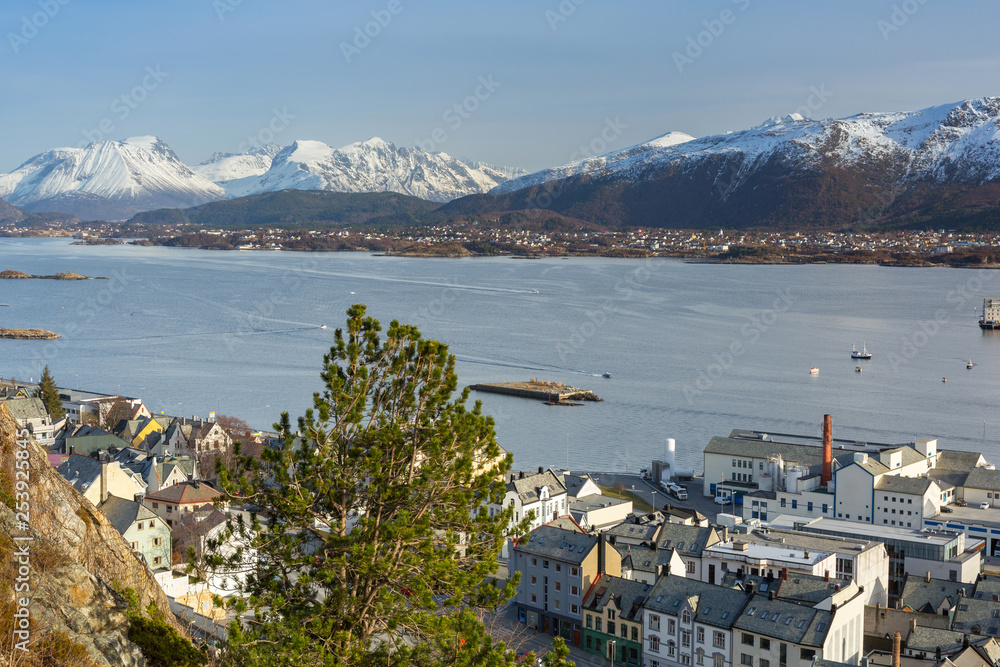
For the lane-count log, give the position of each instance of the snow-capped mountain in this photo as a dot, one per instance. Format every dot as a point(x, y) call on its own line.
point(109, 179)
point(224, 167)
point(788, 170)
point(368, 166)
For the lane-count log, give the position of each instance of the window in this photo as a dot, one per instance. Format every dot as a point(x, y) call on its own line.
point(590, 621)
point(809, 506)
point(574, 590)
point(574, 609)
point(746, 659)
point(590, 642)
point(141, 526)
point(685, 637)
point(558, 585)
point(807, 654)
point(611, 614)
point(782, 502)
point(635, 633)
point(558, 567)
point(534, 561)
point(685, 658)
point(134, 545)
point(654, 643)
point(765, 643)
point(747, 639)
point(825, 508)
point(718, 660)
point(534, 580)
point(597, 624)
point(557, 604)
point(533, 598)
point(157, 560)
point(156, 506)
point(624, 631)
point(690, 567)
point(654, 623)
point(574, 571)
point(686, 616)
point(699, 657)
point(701, 635)
point(670, 648)
point(545, 564)
point(719, 639)
point(170, 509)
point(157, 541)
point(795, 504)
point(611, 627)
point(764, 662)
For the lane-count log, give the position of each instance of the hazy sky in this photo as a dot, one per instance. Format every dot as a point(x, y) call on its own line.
point(512, 83)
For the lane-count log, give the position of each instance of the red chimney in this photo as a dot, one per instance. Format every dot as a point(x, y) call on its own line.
point(896, 641)
point(827, 454)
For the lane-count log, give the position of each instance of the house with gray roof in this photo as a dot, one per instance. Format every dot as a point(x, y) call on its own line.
point(146, 533)
point(558, 566)
point(31, 414)
point(540, 498)
point(932, 596)
point(97, 480)
point(612, 619)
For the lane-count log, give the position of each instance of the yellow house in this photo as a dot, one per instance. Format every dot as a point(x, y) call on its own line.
point(149, 427)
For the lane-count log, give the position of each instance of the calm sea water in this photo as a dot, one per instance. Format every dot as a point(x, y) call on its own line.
point(695, 350)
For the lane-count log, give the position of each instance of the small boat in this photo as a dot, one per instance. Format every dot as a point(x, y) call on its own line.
point(863, 354)
point(858, 369)
point(606, 375)
point(322, 326)
point(944, 379)
point(969, 365)
point(813, 371)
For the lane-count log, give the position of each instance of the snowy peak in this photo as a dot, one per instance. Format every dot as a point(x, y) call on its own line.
point(374, 165)
point(138, 173)
point(223, 167)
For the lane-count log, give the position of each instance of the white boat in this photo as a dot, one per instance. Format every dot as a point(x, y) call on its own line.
point(863, 354)
point(858, 369)
point(969, 365)
point(813, 371)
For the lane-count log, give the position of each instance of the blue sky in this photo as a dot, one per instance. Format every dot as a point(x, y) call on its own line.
point(533, 81)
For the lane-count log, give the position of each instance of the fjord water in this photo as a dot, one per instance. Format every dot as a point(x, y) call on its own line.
point(694, 350)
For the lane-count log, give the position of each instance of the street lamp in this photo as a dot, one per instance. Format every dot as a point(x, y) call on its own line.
point(654, 500)
point(612, 644)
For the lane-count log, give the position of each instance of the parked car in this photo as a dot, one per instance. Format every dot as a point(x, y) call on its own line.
point(722, 501)
point(984, 506)
point(946, 509)
point(961, 503)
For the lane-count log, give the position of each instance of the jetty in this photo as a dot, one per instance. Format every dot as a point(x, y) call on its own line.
point(554, 393)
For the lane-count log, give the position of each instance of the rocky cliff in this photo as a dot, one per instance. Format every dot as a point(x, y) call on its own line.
point(76, 562)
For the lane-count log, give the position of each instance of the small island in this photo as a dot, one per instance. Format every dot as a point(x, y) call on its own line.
point(20, 275)
point(553, 393)
point(28, 334)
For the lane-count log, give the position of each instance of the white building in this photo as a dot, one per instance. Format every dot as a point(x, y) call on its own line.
point(540, 498)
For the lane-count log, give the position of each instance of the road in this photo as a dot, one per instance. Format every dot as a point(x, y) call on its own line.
point(656, 497)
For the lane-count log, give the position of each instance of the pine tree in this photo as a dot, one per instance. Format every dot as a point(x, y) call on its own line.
point(50, 395)
point(559, 655)
point(371, 537)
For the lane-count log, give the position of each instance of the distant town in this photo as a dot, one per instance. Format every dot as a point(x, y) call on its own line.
point(536, 238)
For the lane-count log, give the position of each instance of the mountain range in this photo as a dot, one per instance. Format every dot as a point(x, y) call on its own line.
point(116, 179)
point(938, 166)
